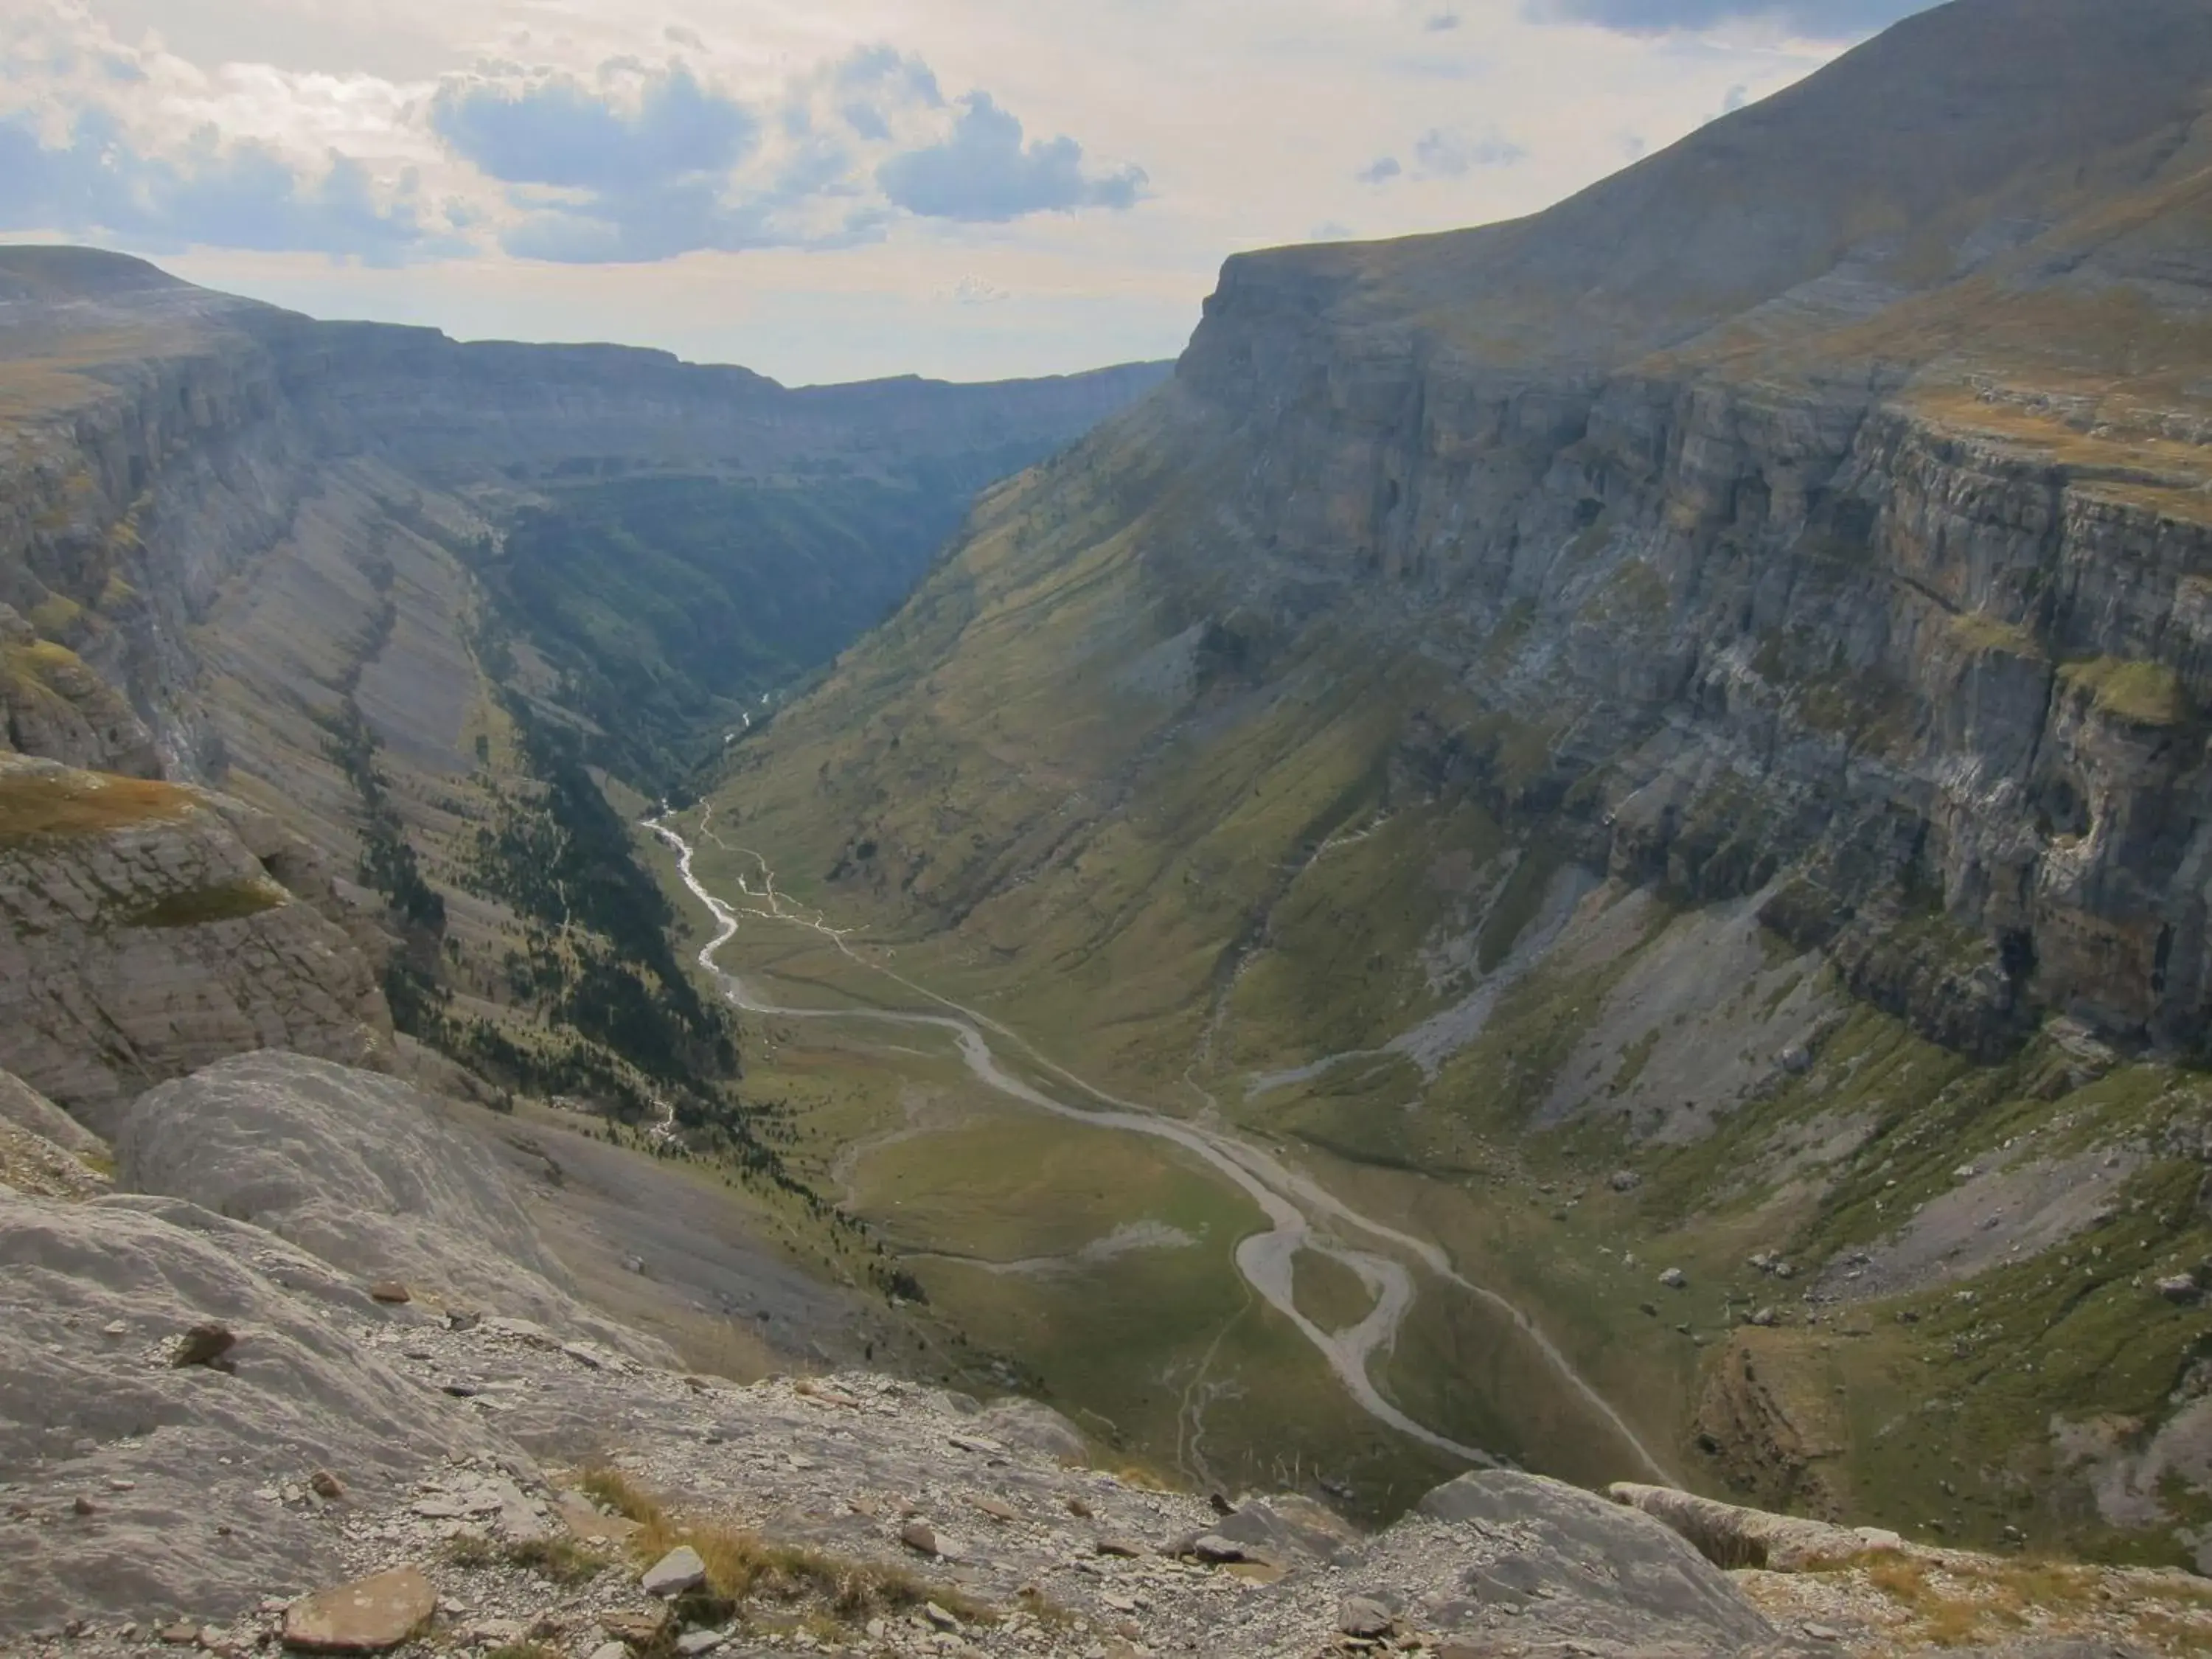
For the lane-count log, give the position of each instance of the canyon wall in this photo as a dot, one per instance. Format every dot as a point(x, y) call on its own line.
point(1825, 637)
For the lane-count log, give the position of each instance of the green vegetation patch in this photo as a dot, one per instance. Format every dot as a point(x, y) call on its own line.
point(1980, 631)
point(1960, 1425)
point(1328, 1292)
point(1026, 1186)
point(1339, 967)
point(2140, 693)
point(200, 907)
point(1517, 905)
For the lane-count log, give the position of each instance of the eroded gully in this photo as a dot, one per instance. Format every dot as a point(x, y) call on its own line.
point(1288, 1198)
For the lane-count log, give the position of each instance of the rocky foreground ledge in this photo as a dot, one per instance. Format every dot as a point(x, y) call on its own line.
point(309, 1383)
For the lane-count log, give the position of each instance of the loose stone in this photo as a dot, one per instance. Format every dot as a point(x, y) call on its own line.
point(368, 1615)
point(678, 1571)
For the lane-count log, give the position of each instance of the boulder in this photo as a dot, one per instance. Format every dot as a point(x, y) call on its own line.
point(1731, 1536)
point(369, 1615)
point(1578, 1569)
point(1365, 1617)
point(1032, 1426)
point(207, 1343)
point(1286, 1528)
point(678, 1571)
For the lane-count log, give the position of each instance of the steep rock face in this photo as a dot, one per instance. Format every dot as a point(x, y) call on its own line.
point(1859, 583)
point(53, 705)
point(149, 463)
point(142, 939)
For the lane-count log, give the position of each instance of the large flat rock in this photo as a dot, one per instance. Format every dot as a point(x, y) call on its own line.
point(180, 1469)
point(369, 1615)
point(361, 1170)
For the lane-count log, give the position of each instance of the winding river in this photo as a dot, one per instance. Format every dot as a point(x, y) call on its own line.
point(1290, 1200)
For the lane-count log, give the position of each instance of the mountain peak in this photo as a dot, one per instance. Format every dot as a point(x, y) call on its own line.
point(1954, 137)
point(60, 272)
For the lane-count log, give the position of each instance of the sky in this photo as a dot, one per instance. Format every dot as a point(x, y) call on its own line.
point(829, 190)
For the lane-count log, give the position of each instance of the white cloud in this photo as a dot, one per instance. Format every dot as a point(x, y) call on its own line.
point(974, 291)
point(1095, 163)
point(1835, 20)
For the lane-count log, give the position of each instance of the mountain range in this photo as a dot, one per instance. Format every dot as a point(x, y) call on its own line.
point(1578, 847)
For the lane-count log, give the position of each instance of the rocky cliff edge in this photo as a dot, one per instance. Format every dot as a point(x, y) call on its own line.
point(148, 929)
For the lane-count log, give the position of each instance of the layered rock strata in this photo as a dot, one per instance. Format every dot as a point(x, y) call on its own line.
point(142, 935)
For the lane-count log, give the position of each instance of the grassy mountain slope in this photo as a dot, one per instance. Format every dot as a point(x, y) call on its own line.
point(1665, 734)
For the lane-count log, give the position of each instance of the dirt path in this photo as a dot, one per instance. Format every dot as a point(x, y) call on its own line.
point(1284, 1195)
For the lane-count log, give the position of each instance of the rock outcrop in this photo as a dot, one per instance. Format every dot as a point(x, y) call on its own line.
point(141, 937)
point(1640, 1587)
point(1730, 1535)
point(359, 1171)
point(177, 1360)
point(134, 1484)
point(25, 1107)
point(53, 704)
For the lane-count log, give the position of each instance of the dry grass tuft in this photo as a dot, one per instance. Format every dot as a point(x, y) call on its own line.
point(2142, 692)
point(561, 1560)
point(37, 805)
point(1961, 1602)
point(471, 1549)
point(1042, 1608)
point(1943, 1617)
point(615, 1490)
point(743, 1567)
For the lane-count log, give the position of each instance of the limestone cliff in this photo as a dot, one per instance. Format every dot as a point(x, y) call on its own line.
point(1851, 529)
point(167, 439)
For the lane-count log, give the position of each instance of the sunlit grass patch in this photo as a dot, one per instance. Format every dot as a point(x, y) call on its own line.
point(38, 805)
